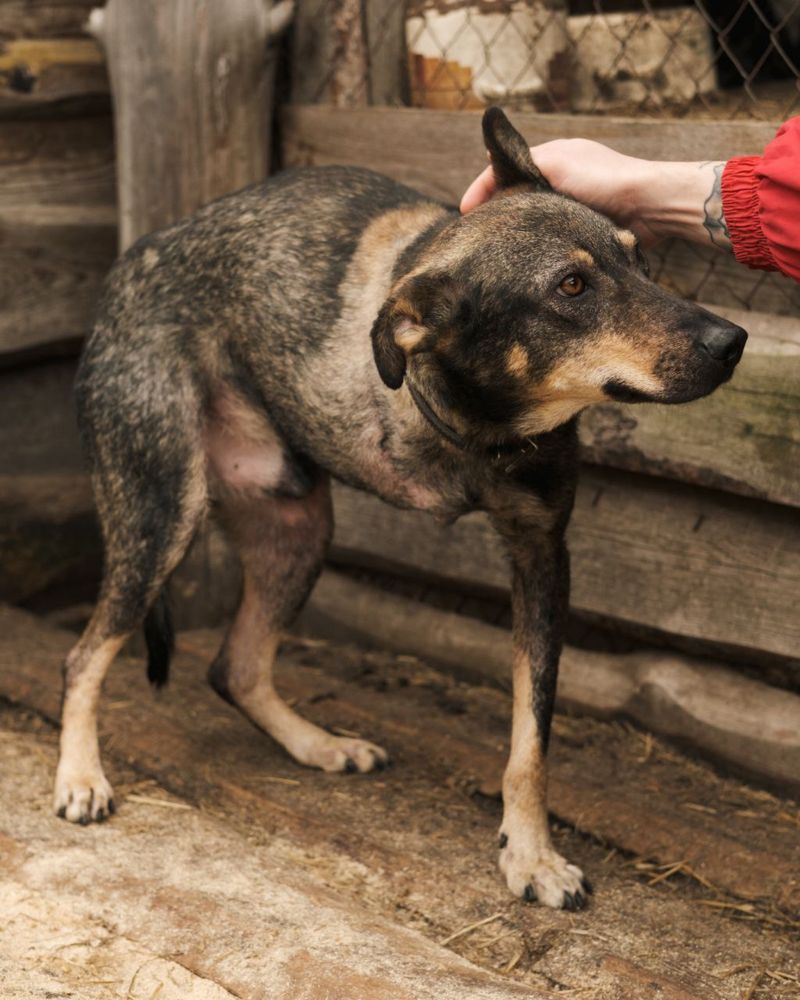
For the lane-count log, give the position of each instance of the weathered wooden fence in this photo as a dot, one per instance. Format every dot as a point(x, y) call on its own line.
point(687, 524)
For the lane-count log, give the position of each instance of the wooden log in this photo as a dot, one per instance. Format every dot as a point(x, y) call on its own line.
point(695, 702)
point(674, 559)
point(192, 90)
point(57, 230)
point(440, 152)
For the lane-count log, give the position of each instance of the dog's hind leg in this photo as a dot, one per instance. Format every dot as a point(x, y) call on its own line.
point(148, 471)
point(282, 543)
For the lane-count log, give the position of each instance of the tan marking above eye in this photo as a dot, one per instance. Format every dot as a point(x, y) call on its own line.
point(517, 360)
point(583, 256)
point(626, 238)
point(572, 285)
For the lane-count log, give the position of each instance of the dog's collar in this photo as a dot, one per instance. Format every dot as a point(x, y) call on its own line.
point(515, 452)
point(435, 421)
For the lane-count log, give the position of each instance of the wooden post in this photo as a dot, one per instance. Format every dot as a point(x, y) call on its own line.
point(385, 24)
point(329, 53)
point(192, 82)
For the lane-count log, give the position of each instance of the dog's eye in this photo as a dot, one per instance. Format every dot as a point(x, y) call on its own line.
point(572, 285)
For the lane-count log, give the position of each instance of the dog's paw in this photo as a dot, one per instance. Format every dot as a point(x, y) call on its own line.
point(83, 798)
point(345, 753)
point(543, 875)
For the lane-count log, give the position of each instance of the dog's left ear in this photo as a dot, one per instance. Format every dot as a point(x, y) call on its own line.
point(509, 153)
point(409, 322)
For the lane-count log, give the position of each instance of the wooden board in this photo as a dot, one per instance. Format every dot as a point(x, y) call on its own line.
point(688, 561)
point(47, 61)
point(40, 73)
point(58, 228)
point(45, 18)
point(57, 211)
point(674, 559)
point(440, 152)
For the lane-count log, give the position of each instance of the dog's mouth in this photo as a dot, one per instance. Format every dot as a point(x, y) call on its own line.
point(687, 375)
point(622, 393)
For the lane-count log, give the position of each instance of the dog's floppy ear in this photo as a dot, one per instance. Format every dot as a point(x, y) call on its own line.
point(409, 322)
point(509, 153)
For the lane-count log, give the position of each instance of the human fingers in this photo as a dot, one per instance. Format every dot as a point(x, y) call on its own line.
point(479, 191)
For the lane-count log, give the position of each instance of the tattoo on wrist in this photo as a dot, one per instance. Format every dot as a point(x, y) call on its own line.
point(713, 217)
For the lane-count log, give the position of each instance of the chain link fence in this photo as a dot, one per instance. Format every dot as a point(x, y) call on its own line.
point(676, 58)
point(686, 59)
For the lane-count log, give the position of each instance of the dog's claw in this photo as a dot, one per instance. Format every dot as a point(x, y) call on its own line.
point(529, 895)
point(62, 812)
point(350, 766)
point(502, 841)
point(112, 808)
point(587, 886)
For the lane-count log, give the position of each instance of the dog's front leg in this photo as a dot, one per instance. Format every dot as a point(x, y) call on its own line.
point(540, 597)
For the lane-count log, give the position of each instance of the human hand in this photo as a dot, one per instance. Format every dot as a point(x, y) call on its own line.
point(654, 199)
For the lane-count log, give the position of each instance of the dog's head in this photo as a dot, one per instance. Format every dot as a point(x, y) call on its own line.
point(533, 306)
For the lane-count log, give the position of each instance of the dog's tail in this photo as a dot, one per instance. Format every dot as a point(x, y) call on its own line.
point(159, 637)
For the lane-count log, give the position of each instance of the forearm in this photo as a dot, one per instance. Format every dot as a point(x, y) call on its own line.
point(683, 200)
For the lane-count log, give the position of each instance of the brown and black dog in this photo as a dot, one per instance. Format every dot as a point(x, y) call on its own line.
point(334, 323)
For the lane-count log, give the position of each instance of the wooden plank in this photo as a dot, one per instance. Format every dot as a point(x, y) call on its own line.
point(53, 162)
point(683, 560)
point(744, 438)
point(58, 228)
point(40, 73)
point(695, 702)
point(674, 559)
point(47, 61)
point(44, 18)
point(440, 152)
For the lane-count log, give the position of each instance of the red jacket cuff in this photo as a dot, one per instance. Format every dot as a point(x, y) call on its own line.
point(740, 206)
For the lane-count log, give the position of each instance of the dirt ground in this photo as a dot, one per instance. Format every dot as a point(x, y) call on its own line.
point(230, 870)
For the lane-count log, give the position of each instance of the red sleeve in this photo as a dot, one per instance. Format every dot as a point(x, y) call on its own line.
point(761, 204)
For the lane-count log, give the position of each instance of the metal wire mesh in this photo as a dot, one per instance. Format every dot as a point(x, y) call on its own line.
point(715, 58)
point(663, 59)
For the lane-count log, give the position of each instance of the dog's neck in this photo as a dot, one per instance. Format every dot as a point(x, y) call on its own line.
point(435, 421)
point(510, 453)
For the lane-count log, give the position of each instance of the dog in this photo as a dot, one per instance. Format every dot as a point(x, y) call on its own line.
point(332, 322)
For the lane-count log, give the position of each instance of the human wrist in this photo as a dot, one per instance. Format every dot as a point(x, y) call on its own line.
point(684, 200)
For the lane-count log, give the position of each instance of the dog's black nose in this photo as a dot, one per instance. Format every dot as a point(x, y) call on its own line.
point(723, 341)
